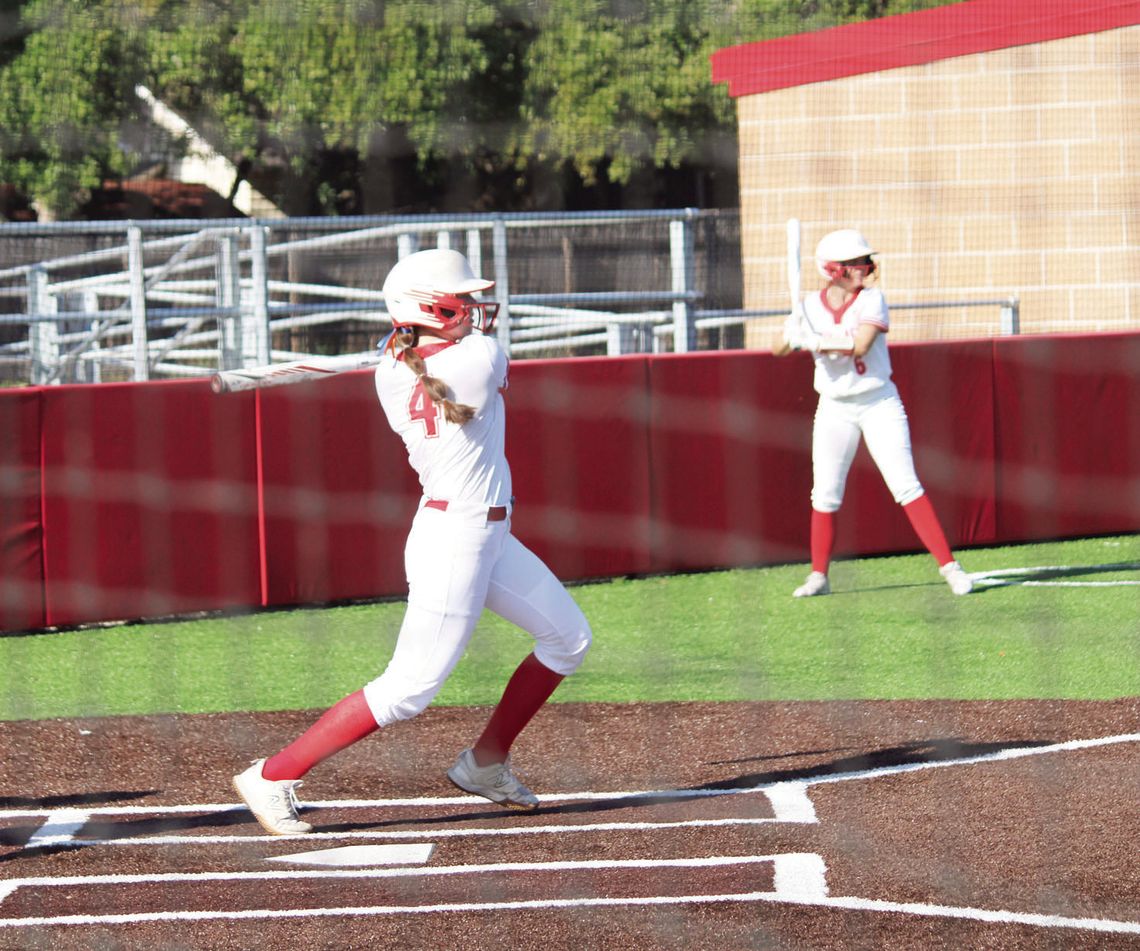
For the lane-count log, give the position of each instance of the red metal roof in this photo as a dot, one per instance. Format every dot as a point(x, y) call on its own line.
point(909, 39)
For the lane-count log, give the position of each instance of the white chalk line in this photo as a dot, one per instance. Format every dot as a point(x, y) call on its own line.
point(789, 801)
point(792, 896)
point(850, 904)
point(403, 871)
point(799, 879)
point(1002, 572)
point(998, 577)
point(60, 827)
point(998, 583)
point(781, 791)
point(1009, 753)
point(380, 835)
point(795, 875)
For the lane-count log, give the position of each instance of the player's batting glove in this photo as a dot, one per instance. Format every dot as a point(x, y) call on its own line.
point(799, 335)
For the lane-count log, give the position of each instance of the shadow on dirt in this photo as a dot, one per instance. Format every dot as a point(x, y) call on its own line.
point(934, 750)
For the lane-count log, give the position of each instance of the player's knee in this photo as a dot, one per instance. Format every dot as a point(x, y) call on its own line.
point(826, 501)
point(565, 654)
point(907, 493)
point(390, 702)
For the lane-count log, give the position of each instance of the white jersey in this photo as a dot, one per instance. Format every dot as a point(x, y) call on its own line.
point(455, 463)
point(840, 375)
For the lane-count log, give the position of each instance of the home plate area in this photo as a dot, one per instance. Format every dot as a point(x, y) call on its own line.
point(852, 825)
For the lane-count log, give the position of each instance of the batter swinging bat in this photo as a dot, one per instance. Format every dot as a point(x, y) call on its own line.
point(276, 374)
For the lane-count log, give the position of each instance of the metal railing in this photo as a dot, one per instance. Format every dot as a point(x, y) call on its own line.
point(168, 300)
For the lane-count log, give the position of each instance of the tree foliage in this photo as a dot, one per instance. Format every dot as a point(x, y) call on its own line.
point(325, 90)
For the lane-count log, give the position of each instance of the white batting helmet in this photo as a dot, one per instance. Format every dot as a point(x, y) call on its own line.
point(433, 288)
point(838, 247)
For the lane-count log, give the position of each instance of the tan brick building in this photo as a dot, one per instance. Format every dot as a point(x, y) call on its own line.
point(988, 148)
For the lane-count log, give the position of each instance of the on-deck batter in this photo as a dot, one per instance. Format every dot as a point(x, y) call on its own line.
point(441, 387)
point(844, 328)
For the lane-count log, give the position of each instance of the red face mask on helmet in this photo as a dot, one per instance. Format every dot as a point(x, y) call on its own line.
point(442, 311)
point(840, 251)
point(433, 289)
point(838, 270)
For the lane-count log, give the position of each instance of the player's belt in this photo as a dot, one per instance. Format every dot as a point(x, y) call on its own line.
point(496, 513)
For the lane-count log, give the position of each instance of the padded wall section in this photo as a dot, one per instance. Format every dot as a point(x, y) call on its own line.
point(730, 459)
point(1068, 431)
point(338, 496)
point(150, 501)
point(947, 391)
point(578, 445)
point(21, 533)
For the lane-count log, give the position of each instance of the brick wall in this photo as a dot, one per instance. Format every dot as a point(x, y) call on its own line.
point(1009, 171)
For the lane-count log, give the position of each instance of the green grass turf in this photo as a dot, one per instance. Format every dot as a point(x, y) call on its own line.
point(890, 630)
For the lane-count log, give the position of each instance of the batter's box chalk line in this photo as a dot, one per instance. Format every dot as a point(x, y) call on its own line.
point(799, 879)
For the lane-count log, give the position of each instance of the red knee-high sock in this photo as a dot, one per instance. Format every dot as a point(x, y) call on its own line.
point(822, 540)
point(341, 725)
point(929, 530)
point(528, 689)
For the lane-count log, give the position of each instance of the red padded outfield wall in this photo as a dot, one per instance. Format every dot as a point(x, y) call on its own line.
point(122, 501)
point(1068, 435)
point(149, 502)
point(21, 538)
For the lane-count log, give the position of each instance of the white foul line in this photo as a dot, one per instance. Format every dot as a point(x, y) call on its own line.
point(998, 577)
point(997, 583)
point(1010, 752)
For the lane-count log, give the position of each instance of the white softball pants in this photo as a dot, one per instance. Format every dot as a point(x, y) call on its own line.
point(881, 421)
point(457, 563)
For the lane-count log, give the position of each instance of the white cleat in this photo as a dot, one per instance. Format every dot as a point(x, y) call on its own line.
point(815, 584)
point(496, 782)
point(273, 803)
point(958, 580)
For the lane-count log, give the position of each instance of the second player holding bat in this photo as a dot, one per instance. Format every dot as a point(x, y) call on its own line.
point(799, 331)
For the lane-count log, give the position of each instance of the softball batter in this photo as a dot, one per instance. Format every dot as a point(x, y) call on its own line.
point(844, 327)
point(441, 387)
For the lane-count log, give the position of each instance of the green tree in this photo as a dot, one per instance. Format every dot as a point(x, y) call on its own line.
point(63, 98)
point(613, 87)
point(474, 100)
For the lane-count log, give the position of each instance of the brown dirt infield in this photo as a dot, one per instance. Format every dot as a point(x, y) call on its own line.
point(881, 832)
